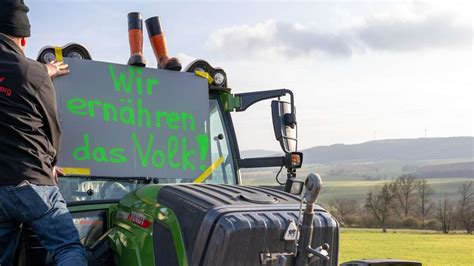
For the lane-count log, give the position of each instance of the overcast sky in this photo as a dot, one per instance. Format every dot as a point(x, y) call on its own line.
point(359, 69)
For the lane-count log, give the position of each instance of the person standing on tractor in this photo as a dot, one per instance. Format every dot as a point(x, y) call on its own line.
point(29, 143)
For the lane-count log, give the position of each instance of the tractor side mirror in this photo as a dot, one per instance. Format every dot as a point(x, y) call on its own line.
point(284, 126)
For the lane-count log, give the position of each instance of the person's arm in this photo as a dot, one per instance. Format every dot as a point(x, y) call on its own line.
point(47, 101)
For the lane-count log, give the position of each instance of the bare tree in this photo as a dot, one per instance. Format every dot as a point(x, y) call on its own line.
point(424, 193)
point(344, 208)
point(404, 188)
point(378, 202)
point(465, 206)
point(444, 214)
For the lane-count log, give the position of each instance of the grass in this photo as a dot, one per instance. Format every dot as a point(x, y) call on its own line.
point(424, 246)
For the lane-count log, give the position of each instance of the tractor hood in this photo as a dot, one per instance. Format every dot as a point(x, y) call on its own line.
point(222, 224)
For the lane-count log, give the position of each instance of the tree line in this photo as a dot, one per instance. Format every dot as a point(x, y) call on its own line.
point(407, 202)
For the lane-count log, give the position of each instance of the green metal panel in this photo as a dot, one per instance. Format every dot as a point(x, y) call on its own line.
point(132, 243)
point(230, 101)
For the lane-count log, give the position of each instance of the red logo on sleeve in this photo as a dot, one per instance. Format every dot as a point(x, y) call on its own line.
point(5, 90)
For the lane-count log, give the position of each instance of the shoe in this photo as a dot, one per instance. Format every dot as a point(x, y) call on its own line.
point(158, 43)
point(135, 38)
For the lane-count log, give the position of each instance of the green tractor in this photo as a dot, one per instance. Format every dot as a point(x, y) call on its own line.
point(134, 205)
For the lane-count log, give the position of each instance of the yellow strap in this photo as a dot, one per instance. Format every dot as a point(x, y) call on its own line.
point(77, 171)
point(205, 75)
point(209, 170)
point(58, 52)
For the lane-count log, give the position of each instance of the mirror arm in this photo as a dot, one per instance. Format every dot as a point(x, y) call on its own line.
point(271, 162)
point(249, 98)
point(261, 162)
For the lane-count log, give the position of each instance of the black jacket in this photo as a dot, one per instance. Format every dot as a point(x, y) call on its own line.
point(29, 126)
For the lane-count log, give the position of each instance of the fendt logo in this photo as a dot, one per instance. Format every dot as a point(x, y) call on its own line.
point(133, 217)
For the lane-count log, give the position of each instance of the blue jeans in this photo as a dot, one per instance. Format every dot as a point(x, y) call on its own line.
point(44, 209)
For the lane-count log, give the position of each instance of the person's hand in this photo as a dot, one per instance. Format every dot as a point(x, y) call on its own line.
point(57, 172)
point(56, 69)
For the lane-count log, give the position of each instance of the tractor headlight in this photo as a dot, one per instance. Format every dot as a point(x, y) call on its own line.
point(75, 55)
point(77, 51)
point(219, 78)
point(48, 56)
point(71, 50)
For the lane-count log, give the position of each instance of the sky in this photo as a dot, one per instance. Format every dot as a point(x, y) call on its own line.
point(360, 70)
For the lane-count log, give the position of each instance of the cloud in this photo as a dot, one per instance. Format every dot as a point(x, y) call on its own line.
point(388, 34)
point(436, 31)
point(245, 38)
point(300, 40)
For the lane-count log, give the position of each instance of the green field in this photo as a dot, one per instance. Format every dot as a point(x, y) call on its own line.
point(354, 180)
point(427, 247)
point(357, 189)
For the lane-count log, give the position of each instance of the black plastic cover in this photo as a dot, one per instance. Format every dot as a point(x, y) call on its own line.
point(234, 225)
point(165, 252)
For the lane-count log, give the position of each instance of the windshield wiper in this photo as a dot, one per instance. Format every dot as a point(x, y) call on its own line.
point(144, 179)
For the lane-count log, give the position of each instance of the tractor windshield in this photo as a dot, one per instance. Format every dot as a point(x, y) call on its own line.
point(221, 171)
point(223, 167)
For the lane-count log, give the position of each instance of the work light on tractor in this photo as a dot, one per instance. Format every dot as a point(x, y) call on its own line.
point(217, 75)
point(71, 50)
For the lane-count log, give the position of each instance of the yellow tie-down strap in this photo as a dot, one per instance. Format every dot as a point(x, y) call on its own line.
point(205, 75)
point(209, 170)
point(77, 171)
point(58, 52)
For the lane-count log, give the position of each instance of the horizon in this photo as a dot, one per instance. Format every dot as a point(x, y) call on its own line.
point(358, 69)
point(348, 144)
